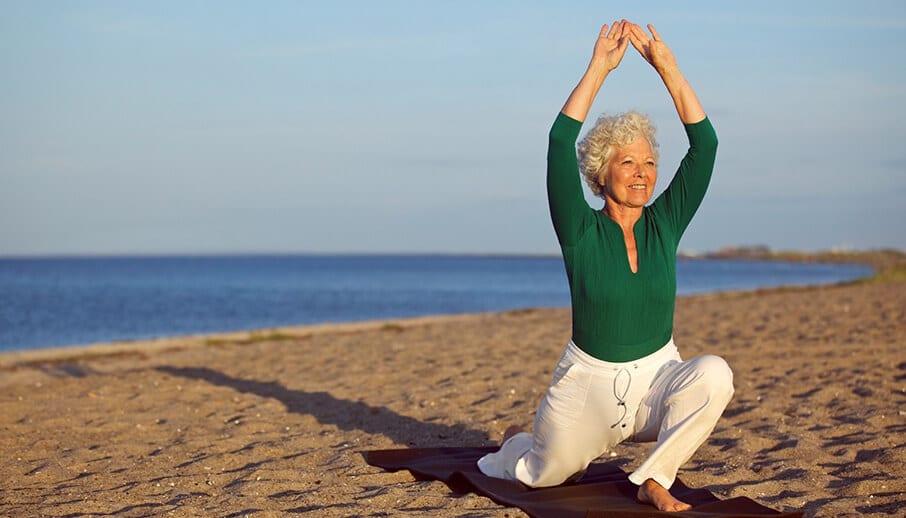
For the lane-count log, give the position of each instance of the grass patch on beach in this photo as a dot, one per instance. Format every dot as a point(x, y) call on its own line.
point(889, 265)
point(392, 326)
point(79, 358)
point(895, 274)
point(255, 337)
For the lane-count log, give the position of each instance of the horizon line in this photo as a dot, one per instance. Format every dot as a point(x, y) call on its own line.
point(740, 250)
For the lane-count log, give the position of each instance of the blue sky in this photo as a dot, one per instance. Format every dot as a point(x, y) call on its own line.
point(407, 126)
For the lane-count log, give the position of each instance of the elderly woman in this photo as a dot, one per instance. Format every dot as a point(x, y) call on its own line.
point(621, 377)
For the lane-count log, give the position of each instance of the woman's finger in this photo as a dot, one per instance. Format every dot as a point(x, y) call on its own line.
point(637, 42)
point(657, 37)
point(638, 33)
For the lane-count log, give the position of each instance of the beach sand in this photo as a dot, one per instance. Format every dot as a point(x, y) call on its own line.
point(273, 423)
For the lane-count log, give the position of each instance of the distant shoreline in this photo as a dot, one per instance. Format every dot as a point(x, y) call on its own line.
point(887, 263)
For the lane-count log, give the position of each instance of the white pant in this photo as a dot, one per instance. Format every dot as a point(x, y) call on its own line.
point(593, 405)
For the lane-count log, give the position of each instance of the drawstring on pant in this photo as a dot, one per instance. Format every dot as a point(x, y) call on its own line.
point(621, 396)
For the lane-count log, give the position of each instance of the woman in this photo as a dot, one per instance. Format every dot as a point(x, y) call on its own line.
point(621, 377)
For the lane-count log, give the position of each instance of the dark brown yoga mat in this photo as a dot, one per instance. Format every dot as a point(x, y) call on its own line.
point(603, 491)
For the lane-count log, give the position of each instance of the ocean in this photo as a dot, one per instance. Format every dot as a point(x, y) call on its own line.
point(51, 302)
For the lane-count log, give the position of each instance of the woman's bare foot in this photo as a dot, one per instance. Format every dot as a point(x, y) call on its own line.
point(650, 492)
point(511, 431)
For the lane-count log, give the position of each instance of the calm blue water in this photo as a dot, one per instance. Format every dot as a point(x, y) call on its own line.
point(63, 301)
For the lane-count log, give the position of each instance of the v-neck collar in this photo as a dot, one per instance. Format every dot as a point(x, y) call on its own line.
point(635, 234)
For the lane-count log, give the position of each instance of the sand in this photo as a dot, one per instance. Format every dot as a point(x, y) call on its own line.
point(273, 423)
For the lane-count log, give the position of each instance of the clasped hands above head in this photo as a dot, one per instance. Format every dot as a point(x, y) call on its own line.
point(613, 41)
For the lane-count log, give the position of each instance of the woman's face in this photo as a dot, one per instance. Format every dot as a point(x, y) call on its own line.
point(630, 174)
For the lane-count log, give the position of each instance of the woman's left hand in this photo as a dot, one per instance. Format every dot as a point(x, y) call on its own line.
point(652, 48)
point(659, 55)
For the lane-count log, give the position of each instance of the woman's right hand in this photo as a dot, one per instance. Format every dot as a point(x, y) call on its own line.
point(612, 45)
point(609, 50)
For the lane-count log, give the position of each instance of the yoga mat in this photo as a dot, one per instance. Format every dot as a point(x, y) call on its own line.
point(605, 489)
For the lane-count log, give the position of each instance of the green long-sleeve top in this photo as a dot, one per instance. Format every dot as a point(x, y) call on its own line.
point(618, 315)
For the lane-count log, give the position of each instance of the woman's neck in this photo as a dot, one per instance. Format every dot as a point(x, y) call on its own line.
point(626, 217)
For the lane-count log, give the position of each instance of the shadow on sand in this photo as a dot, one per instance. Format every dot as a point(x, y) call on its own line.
point(344, 414)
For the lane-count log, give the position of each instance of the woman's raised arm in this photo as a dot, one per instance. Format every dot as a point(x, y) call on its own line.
point(659, 55)
point(609, 50)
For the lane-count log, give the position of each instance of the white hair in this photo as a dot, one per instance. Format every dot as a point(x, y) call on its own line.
point(610, 131)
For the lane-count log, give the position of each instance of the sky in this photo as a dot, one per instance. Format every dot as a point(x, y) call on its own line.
point(190, 127)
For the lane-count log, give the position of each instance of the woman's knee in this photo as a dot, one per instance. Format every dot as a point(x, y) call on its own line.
point(549, 472)
point(715, 373)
